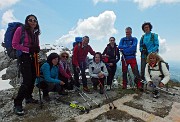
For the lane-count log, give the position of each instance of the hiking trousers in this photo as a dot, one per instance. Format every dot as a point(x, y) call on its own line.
point(111, 72)
point(82, 66)
point(28, 71)
point(134, 67)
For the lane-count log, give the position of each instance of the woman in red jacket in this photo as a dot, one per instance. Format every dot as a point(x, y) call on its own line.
point(64, 70)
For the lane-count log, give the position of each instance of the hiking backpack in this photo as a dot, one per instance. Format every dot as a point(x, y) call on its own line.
point(151, 39)
point(78, 40)
point(160, 68)
point(9, 50)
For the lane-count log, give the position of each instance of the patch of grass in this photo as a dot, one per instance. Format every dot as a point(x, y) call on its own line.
point(116, 115)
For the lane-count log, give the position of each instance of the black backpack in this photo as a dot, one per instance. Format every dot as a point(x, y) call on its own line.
point(160, 68)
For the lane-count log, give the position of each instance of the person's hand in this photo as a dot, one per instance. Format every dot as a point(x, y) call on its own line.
point(62, 83)
point(34, 49)
point(150, 83)
point(161, 84)
point(110, 64)
point(100, 75)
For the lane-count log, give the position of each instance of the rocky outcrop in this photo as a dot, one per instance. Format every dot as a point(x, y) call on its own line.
point(12, 71)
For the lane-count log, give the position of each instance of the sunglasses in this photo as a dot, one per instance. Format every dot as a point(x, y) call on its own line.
point(65, 56)
point(32, 20)
point(111, 40)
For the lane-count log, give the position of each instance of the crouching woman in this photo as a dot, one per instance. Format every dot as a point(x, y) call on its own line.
point(64, 71)
point(156, 73)
point(49, 81)
point(98, 72)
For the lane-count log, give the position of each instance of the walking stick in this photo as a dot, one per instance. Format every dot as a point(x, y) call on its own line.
point(38, 75)
point(107, 97)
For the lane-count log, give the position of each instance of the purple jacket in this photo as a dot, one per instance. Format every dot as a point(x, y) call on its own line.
point(16, 41)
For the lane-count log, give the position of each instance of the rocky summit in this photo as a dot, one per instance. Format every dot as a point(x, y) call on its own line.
point(120, 105)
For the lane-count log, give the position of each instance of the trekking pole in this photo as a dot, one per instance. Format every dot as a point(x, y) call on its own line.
point(38, 75)
point(168, 92)
point(80, 93)
point(161, 89)
point(91, 99)
point(85, 100)
point(107, 97)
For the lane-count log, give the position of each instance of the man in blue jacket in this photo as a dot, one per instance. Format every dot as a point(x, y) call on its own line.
point(149, 43)
point(128, 47)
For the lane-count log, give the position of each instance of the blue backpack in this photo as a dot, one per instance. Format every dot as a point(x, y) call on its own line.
point(78, 40)
point(13, 53)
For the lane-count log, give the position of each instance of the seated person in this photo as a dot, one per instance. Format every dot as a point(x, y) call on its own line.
point(64, 71)
point(98, 72)
point(49, 81)
point(154, 76)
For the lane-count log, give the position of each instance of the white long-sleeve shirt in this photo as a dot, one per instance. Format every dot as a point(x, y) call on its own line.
point(93, 72)
point(155, 73)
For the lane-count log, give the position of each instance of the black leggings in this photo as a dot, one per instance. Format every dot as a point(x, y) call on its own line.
point(28, 70)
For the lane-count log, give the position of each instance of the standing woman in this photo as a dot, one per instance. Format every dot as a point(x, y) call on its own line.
point(26, 61)
point(112, 52)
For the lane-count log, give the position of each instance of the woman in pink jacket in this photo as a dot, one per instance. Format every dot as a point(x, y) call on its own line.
point(64, 69)
point(26, 60)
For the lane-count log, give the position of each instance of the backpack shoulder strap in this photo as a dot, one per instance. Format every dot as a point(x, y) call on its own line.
point(22, 34)
point(92, 69)
point(149, 69)
point(102, 68)
point(141, 40)
point(152, 37)
point(160, 68)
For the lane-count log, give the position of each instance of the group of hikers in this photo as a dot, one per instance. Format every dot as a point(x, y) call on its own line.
point(55, 73)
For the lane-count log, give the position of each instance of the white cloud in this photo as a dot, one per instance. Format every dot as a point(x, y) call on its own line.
point(8, 17)
point(2, 32)
point(7, 3)
point(163, 47)
point(143, 4)
point(96, 28)
point(104, 1)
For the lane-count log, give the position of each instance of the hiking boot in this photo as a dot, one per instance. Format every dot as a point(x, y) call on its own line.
point(108, 87)
point(18, 110)
point(101, 91)
point(31, 100)
point(156, 94)
point(86, 89)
